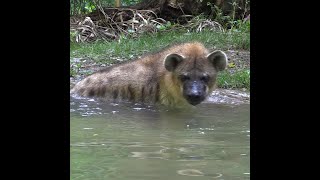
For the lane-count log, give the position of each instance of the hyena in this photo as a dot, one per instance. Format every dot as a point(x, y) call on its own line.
point(183, 74)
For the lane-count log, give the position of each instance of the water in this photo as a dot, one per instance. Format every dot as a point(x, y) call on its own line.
point(135, 142)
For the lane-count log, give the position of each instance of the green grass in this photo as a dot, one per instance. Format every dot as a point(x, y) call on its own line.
point(127, 48)
point(103, 52)
point(234, 80)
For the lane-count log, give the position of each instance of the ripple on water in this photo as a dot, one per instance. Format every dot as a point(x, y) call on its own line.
point(195, 172)
point(190, 172)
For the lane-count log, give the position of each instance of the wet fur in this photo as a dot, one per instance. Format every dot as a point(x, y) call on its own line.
point(146, 79)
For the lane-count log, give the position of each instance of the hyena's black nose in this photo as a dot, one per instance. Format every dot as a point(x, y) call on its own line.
point(195, 98)
point(194, 92)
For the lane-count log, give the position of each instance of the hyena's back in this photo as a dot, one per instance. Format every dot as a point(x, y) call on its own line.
point(133, 81)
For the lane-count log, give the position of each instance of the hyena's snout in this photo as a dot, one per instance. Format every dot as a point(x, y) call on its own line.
point(194, 92)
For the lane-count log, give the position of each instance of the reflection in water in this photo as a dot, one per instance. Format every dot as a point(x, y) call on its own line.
point(133, 141)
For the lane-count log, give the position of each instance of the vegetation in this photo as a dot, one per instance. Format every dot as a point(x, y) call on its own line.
point(235, 80)
point(217, 30)
point(151, 16)
point(108, 53)
point(126, 48)
point(87, 6)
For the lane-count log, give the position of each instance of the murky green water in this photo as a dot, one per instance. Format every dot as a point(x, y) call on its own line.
point(134, 142)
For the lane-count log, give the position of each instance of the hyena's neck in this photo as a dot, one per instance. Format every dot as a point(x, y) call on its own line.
point(170, 94)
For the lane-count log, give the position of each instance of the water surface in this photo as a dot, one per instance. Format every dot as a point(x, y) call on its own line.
point(136, 142)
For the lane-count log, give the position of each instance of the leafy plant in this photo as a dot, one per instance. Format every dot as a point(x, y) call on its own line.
point(164, 26)
point(81, 6)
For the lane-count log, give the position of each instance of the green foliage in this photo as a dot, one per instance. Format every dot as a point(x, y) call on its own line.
point(110, 3)
point(127, 47)
point(73, 35)
point(81, 6)
point(235, 80)
point(241, 26)
point(74, 68)
point(218, 16)
point(87, 6)
point(129, 2)
point(230, 21)
point(166, 26)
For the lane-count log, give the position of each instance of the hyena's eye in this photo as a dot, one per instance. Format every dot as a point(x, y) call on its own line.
point(205, 78)
point(184, 77)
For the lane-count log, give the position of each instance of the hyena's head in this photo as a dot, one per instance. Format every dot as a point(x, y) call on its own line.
point(195, 75)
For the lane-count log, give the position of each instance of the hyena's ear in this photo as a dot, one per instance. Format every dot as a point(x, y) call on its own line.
point(218, 59)
point(172, 61)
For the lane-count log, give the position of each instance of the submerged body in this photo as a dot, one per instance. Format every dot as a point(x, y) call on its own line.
point(180, 75)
